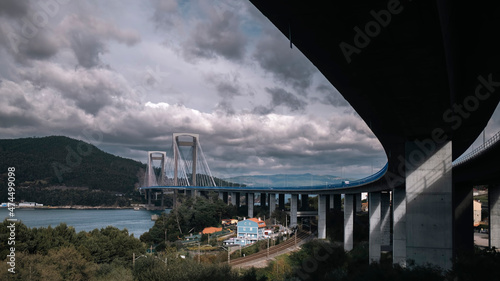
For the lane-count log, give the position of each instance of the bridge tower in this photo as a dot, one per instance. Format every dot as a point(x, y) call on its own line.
point(151, 178)
point(194, 144)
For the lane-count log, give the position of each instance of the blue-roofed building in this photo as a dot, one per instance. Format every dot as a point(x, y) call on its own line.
point(250, 231)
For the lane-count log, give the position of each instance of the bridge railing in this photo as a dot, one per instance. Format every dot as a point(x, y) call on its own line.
point(478, 151)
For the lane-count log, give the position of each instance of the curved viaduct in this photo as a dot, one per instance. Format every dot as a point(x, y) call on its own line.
point(424, 76)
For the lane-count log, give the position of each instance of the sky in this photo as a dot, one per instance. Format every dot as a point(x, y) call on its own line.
point(126, 75)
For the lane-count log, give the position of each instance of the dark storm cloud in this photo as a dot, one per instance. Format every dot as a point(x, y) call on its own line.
point(287, 66)
point(220, 35)
point(280, 97)
point(331, 96)
point(13, 8)
point(88, 36)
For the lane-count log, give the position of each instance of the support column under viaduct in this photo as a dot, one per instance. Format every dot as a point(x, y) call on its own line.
point(348, 222)
point(494, 206)
point(293, 209)
point(250, 200)
point(322, 216)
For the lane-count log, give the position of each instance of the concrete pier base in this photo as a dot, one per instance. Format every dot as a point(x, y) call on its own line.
point(250, 200)
point(234, 196)
point(322, 216)
point(293, 210)
point(348, 222)
point(337, 202)
point(281, 201)
point(272, 203)
point(429, 212)
point(374, 210)
point(494, 202)
point(399, 226)
point(385, 220)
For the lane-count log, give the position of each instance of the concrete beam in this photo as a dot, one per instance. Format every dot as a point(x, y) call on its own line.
point(494, 202)
point(293, 209)
point(348, 222)
point(399, 226)
point(322, 216)
point(250, 197)
point(429, 212)
point(374, 209)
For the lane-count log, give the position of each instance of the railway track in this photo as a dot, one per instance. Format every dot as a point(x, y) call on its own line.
point(272, 250)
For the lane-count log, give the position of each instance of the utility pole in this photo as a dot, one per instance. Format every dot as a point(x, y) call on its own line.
point(267, 248)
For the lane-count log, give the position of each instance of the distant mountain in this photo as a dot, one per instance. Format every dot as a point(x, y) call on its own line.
point(286, 180)
point(63, 161)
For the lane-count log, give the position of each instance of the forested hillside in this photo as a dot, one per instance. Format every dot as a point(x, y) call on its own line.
point(62, 161)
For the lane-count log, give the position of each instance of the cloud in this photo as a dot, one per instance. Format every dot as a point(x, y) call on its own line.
point(286, 65)
point(219, 36)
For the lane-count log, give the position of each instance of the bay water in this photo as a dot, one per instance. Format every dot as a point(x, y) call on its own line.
point(135, 221)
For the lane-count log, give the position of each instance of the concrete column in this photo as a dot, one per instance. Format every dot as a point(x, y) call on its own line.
point(463, 220)
point(149, 196)
point(281, 202)
point(385, 220)
point(330, 198)
point(233, 198)
point(494, 202)
point(358, 202)
point(374, 210)
point(337, 202)
point(250, 204)
point(225, 196)
point(304, 201)
point(263, 201)
point(221, 195)
point(293, 209)
point(237, 195)
point(429, 212)
point(348, 221)
point(322, 216)
point(272, 203)
point(399, 226)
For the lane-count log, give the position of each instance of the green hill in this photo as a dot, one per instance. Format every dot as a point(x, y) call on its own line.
point(62, 161)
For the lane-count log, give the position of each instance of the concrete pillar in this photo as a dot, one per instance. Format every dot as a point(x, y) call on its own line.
point(304, 201)
point(293, 209)
point(149, 196)
point(374, 210)
point(225, 196)
point(337, 202)
point(463, 220)
point(233, 198)
point(281, 202)
point(494, 206)
point(250, 204)
point(237, 196)
point(330, 199)
point(399, 226)
point(358, 202)
point(272, 203)
point(385, 220)
point(263, 201)
point(221, 195)
point(348, 222)
point(322, 216)
point(429, 213)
